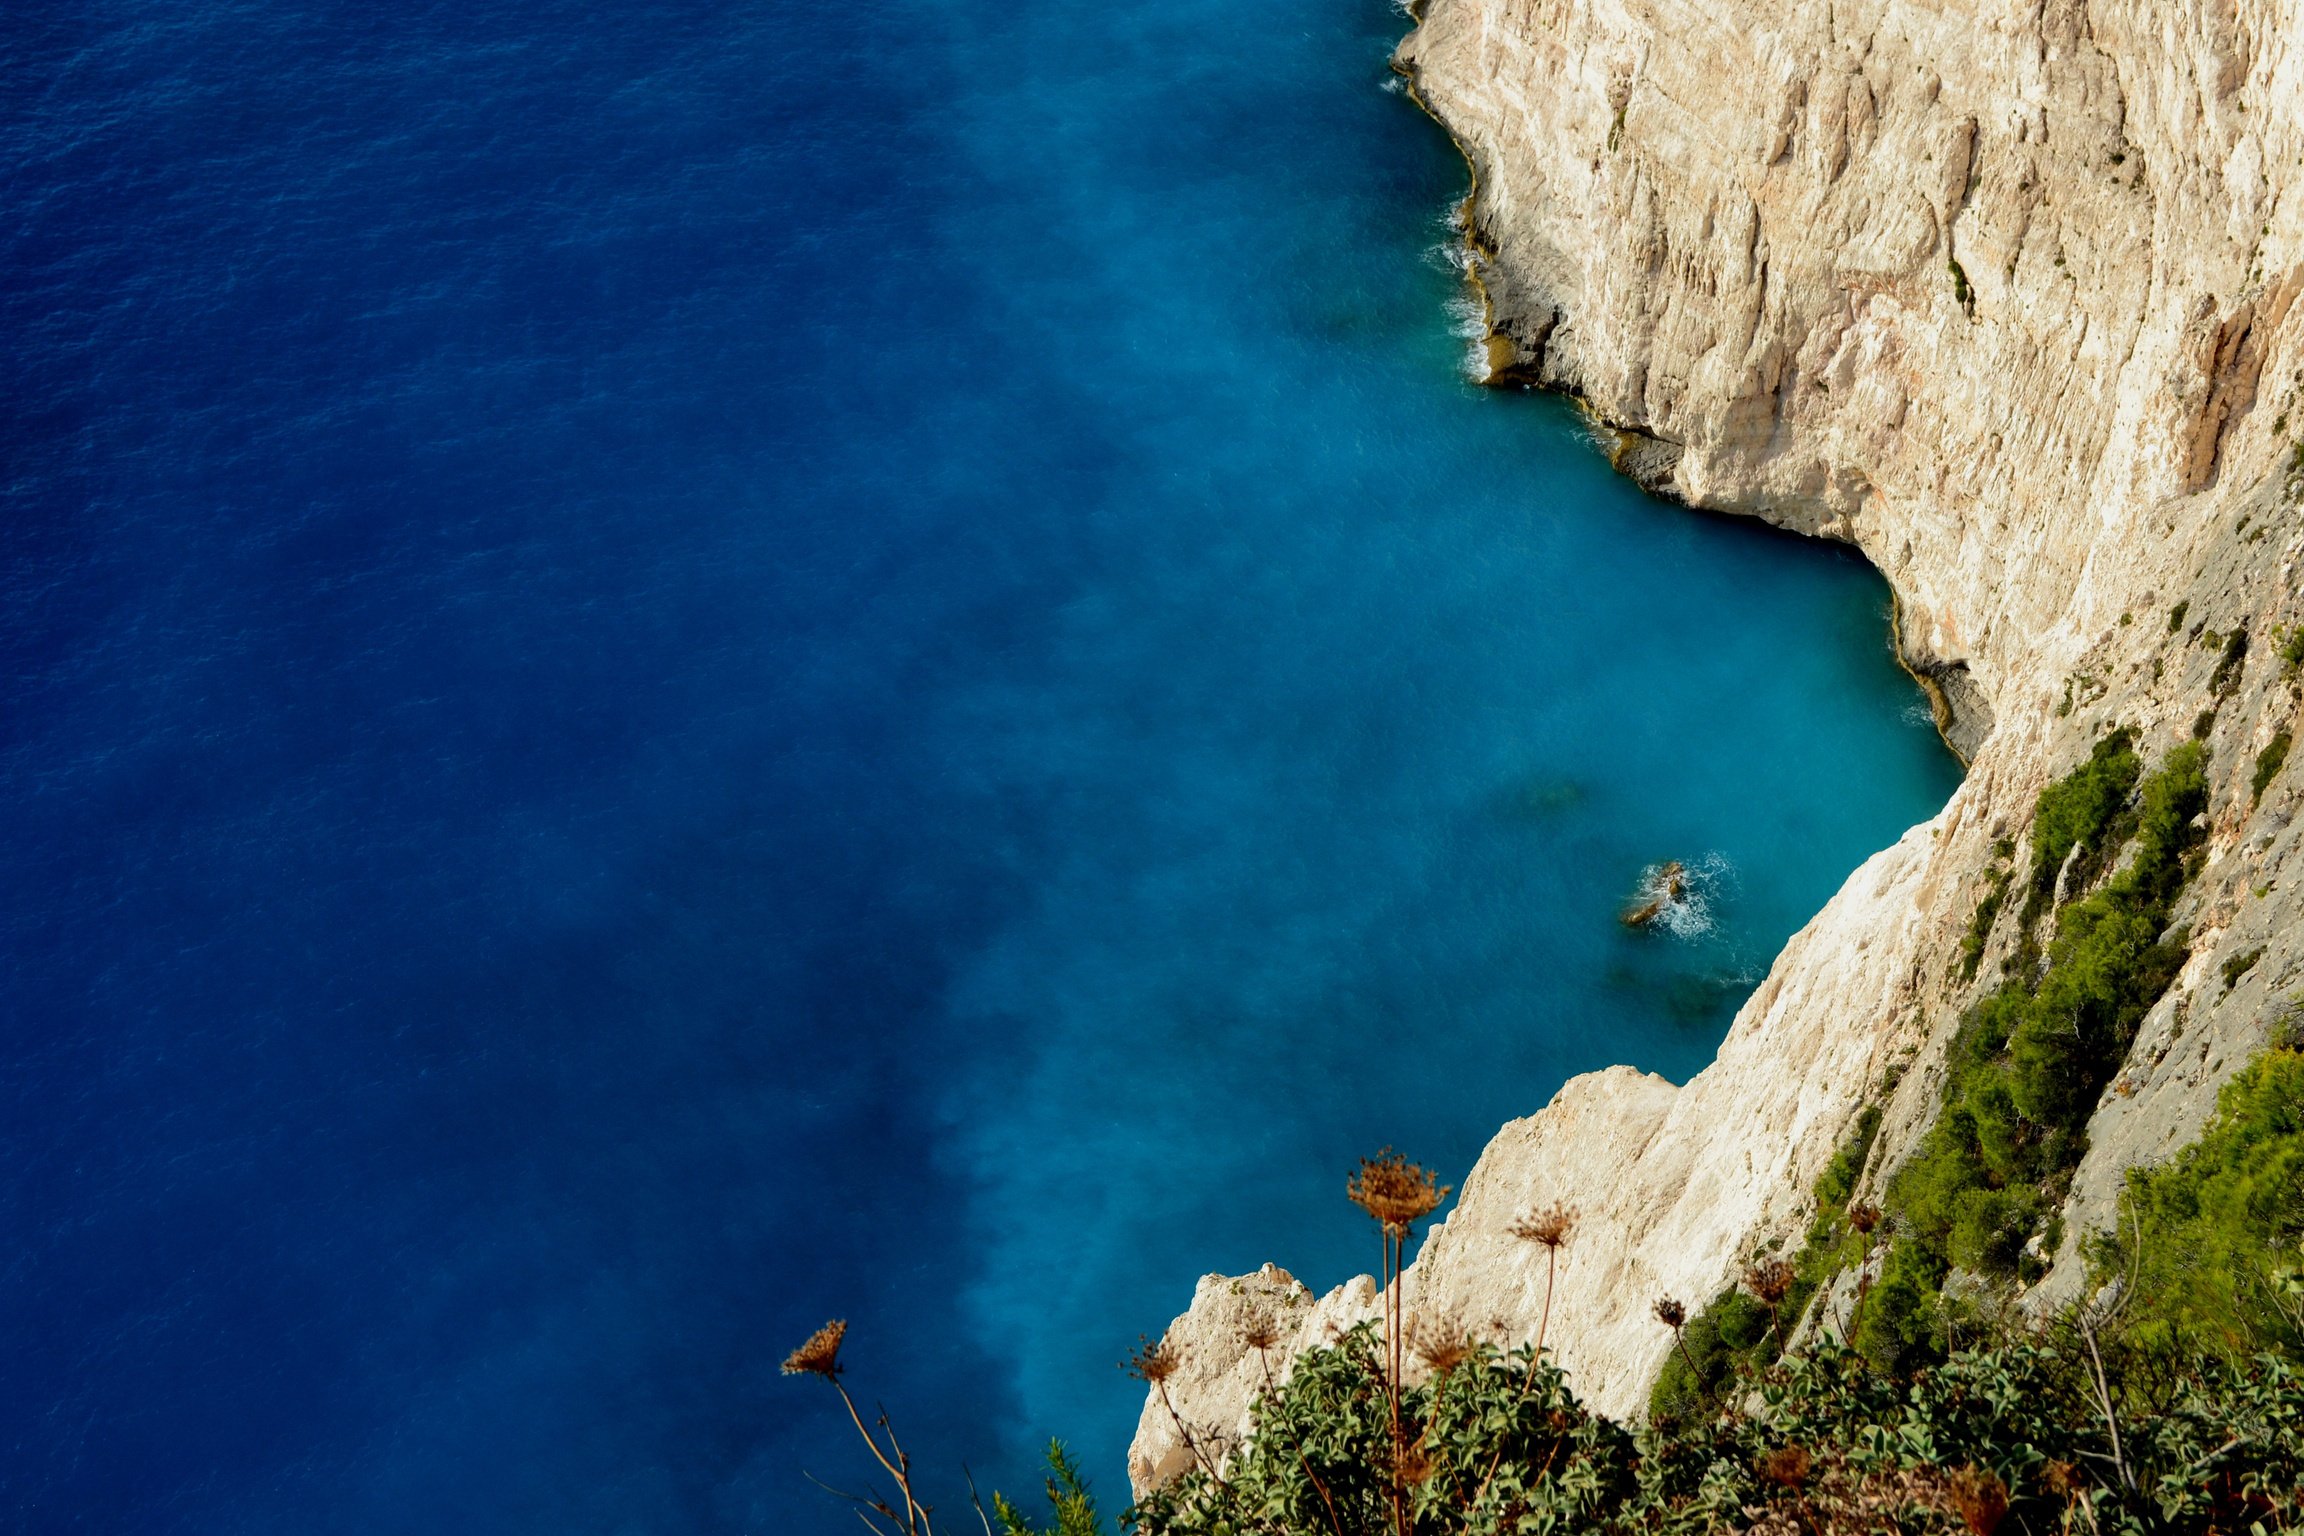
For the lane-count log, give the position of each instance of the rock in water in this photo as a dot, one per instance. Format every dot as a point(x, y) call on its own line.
point(1664, 887)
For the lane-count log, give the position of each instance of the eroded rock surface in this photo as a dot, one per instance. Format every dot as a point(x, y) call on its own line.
point(2007, 296)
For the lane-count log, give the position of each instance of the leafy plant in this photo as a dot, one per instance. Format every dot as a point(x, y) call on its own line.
point(2240, 965)
point(2213, 1232)
point(2268, 764)
point(2085, 812)
point(1070, 1504)
point(1980, 922)
point(2013, 1434)
point(2029, 1062)
point(2229, 662)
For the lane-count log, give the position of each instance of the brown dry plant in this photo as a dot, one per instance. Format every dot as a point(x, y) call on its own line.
point(1152, 1362)
point(1442, 1346)
point(1981, 1498)
point(1548, 1228)
point(819, 1355)
point(1674, 1316)
point(1770, 1280)
point(1395, 1191)
point(1397, 1194)
point(1786, 1466)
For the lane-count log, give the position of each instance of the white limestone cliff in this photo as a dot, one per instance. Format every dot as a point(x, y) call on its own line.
point(2005, 294)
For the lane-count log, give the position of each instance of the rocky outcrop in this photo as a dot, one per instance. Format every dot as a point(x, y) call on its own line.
point(2006, 295)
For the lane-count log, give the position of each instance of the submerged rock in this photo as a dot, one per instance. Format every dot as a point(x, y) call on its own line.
point(1661, 889)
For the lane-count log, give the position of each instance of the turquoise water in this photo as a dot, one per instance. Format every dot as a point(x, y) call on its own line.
point(672, 674)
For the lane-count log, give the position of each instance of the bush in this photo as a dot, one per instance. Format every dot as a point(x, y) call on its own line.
point(1735, 1332)
point(1498, 1443)
point(2229, 662)
point(2031, 1061)
point(2214, 1234)
point(2268, 763)
point(1073, 1508)
point(1980, 922)
point(2082, 810)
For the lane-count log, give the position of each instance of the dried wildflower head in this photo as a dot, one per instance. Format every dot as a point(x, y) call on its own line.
point(1786, 1466)
point(1770, 1280)
point(820, 1356)
point(1981, 1498)
point(1259, 1332)
point(1395, 1191)
point(1550, 1226)
point(1442, 1346)
point(1862, 1217)
point(1670, 1313)
point(2062, 1478)
point(1151, 1362)
point(1412, 1465)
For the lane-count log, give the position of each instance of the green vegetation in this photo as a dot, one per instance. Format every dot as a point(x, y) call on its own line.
point(2214, 1235)
point(2268, 763)
point(1960, 289)
point(2030, 1061)
point(2176, 616)
point(1981, 920)
point(2172, 1402)
point(1070, 1504)
point(2292, 651)
point(2086, 812)
point(2013, 1437)
point(2228, 665)
point(2240, 965)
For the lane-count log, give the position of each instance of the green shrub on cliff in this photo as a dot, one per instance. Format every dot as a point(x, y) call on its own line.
point(2268, 764)
point(2081, 811)
point(2030, 1062)
point(2216, 1237)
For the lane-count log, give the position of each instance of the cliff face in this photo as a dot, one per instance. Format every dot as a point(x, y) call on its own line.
point(2010, 296)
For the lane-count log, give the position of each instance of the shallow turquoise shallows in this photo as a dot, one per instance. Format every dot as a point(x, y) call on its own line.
point(675, 671)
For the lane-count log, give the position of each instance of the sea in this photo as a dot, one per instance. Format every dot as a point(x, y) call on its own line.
point(673, 670)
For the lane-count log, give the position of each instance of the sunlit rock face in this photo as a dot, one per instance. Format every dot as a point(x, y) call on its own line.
point(2007, 296)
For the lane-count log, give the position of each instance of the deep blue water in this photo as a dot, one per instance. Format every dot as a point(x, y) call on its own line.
point(667, 671)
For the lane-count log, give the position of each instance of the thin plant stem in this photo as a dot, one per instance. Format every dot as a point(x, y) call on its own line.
point(2104, 1398)
point(976, 1499)
point(1184, 1430)
point(1393, 1254)
point(863, 1504)
point(1551, 1268)
point(1695, 1377)
point(915, 1518)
